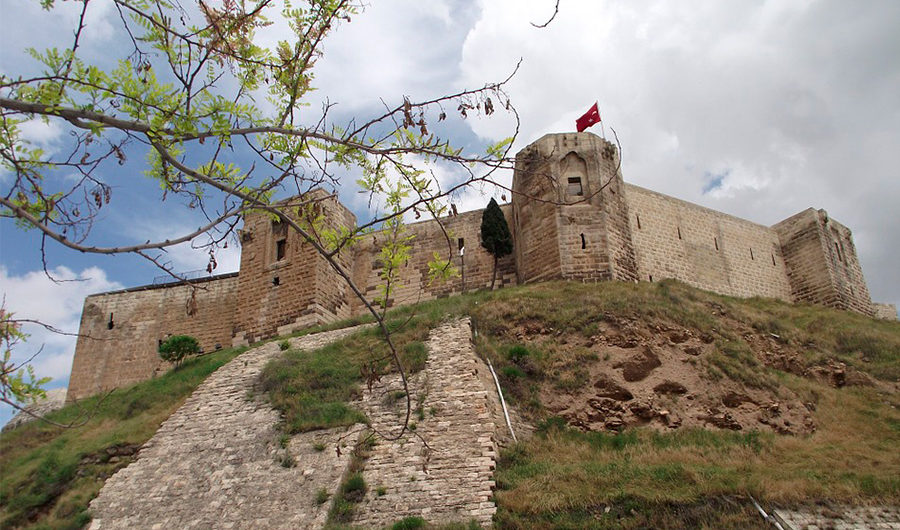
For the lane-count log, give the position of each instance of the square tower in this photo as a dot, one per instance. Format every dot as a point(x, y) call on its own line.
point(570, 212)
point(285, 284)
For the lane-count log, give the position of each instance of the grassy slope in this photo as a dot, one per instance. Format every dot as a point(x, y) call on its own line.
point(563, 478)
point(49, 475)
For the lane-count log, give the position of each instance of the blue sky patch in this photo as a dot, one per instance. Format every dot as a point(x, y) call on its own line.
point(714, 180)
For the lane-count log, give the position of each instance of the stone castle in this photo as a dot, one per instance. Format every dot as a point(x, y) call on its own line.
point(572, 217)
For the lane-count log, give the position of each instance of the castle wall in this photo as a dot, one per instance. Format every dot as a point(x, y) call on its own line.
point(885, 311)
point(824, 268)
point(429, 238)
point(120, 331)
point(705, 248)
point(572, 216)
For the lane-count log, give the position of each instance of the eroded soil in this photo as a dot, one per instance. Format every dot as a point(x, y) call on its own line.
point(632, 372)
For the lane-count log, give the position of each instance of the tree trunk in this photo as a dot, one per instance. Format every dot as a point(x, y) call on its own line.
point(494, 275)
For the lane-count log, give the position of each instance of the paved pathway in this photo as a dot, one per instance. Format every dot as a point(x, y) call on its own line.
point(216, 462)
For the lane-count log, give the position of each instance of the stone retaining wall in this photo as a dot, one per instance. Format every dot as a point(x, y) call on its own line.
point(450, 479)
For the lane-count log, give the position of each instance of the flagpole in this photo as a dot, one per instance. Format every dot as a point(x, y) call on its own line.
point(602, 130)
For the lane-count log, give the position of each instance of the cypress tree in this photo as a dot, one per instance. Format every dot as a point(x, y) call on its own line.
point(495, 235)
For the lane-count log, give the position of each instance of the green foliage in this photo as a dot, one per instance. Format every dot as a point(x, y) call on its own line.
point(15, 388)
point(409, 523)
point(313, 389)
point(354, 487)
point(495, 235)
point(177, 347)
point(322, 496)
point(284, 345)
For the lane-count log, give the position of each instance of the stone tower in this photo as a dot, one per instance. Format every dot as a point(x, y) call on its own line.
point(570, 214)
point(822, 264)
point(285, 284)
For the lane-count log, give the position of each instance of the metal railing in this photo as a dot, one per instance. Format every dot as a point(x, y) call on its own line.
point(188, 275)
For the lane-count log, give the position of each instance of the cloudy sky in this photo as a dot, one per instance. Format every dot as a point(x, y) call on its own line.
point(755, 108)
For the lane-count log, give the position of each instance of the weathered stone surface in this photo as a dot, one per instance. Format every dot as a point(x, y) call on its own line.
point(217, 461)
point(450, 479)
point(841, 518)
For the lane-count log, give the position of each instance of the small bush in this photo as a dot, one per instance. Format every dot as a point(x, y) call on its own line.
point(287, 461)
point(512, 372)
point(322, 496)
point(354, 488)
point(517, 353)
point(409, 523)
point(177, 347)
point(284, 345)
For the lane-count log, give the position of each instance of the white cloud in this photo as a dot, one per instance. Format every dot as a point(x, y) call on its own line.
point(185, 257)
point(34, 296)
point(794, 99)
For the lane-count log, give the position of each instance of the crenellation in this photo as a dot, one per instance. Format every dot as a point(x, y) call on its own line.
point(572, 216)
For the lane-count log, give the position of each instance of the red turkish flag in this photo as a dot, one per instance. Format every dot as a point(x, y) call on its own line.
point(591, 117)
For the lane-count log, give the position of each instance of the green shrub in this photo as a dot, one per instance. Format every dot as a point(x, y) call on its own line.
point(354, 488)
point(177, 347)
point(512, 372)
point(409, 523)
point(517, 353)
point(322, 496)
point(284, 345)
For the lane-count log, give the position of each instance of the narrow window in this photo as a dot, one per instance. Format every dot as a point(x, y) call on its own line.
point(638, 220)
point(838, 250)
point(276, 281)
point(716, 241)
point(583, 242)
point(575, 186)
point(679, 232)
point(280, 248)
point(110, 324)
point(751, 253)
point(773, 259)
point(460, 243)
point(651, 278)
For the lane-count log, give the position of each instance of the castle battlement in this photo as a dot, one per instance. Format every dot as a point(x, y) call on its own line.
point(572, 217)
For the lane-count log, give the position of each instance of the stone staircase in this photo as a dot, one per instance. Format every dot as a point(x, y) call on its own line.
point(217, 461)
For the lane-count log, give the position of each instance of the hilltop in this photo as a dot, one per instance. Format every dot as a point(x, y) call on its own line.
point(652, 404)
